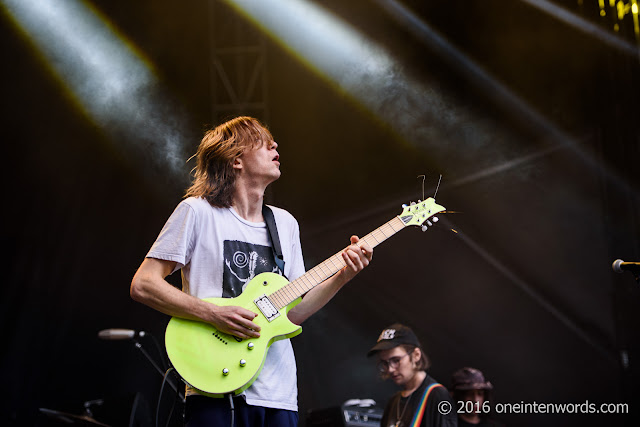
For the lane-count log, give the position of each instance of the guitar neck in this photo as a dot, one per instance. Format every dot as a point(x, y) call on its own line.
point(318, 274)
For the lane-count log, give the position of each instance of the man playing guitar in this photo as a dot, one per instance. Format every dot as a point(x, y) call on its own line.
point(218, 239)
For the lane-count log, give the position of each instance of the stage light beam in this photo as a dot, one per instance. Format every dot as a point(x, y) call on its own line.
point(106, 77)
point(367, 73)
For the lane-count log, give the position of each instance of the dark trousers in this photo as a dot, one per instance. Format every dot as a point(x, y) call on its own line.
point(202, 411)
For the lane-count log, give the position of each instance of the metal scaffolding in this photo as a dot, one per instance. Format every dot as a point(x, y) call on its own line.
point(238, 59)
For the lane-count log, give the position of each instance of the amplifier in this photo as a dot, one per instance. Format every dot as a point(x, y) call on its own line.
point(355, 412)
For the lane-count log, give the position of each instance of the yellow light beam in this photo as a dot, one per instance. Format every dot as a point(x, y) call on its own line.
point(585, 26)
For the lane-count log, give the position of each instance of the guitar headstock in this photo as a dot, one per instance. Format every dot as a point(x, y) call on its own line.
point(421, 212)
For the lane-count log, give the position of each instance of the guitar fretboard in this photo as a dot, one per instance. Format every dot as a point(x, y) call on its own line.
point(318, 274)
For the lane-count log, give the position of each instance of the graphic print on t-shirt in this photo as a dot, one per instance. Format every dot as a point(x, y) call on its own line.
point(242, 262)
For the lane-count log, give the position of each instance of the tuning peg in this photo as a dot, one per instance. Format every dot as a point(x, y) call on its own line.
point(404, 206)
point(424, 228)
point(429, 222)
point(413, 203)
point(434, 219)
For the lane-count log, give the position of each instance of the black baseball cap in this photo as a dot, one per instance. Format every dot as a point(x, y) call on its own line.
point(393, 336)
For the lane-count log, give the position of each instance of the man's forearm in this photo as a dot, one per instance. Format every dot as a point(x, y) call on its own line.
point(317, 298)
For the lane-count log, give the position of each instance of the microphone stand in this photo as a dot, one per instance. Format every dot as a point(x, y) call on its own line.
point(138, 345)
point(636, 275)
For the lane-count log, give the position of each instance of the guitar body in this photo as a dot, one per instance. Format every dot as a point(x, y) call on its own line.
point(217, 363)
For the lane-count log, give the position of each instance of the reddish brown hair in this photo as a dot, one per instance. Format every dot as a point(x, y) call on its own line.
point(214, 177)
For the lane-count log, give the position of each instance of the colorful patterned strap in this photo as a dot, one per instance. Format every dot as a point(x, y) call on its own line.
point(417, 418)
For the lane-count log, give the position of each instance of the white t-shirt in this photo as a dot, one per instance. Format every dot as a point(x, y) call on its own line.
point(218, 253)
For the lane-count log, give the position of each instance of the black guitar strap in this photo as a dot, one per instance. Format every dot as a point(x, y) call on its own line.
point(269, 219)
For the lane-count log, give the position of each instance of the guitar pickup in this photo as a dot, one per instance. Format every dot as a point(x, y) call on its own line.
point(267, 308)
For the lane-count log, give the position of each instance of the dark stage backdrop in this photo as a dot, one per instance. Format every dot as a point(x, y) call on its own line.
point(546, 197)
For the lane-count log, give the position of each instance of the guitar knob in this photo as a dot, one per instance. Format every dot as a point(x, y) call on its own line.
point(424, 228)
point(250, 346)
point(225, 372)
point(434, 219)
point(243, 362)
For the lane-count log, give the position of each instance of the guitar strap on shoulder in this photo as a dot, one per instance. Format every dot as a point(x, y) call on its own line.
point(417, 418)
point(270, 220)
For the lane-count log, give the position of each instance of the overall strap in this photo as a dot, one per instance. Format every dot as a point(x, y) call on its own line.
point(270, 220)
point(417, 418)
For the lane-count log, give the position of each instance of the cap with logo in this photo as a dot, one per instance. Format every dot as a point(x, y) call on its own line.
point(393, 336)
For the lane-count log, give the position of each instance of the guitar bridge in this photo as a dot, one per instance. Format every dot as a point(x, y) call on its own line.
point(267, 308)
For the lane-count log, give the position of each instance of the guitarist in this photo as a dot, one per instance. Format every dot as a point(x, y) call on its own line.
point(217, 238)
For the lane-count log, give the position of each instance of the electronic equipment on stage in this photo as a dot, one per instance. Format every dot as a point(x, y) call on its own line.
point(352, 413)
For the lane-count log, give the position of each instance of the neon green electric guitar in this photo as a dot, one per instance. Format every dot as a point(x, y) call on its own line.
point(217, 363)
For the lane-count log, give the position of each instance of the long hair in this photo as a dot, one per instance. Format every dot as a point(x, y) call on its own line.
point(214, 176)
